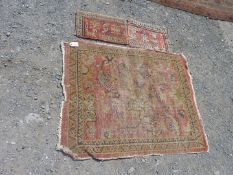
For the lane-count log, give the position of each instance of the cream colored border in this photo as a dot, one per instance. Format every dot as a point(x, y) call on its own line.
point(59, 146)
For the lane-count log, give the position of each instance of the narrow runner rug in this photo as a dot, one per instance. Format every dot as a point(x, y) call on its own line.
point(118, 31)
point(124, 102)
point(103, 28)
point(215, 9)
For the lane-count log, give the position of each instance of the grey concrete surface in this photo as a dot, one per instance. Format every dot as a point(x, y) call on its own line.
point(31, 92)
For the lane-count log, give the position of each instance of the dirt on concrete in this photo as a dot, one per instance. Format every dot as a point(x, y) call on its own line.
point(31, 93)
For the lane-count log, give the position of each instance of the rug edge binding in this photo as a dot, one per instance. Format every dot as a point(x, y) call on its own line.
point(59, 145)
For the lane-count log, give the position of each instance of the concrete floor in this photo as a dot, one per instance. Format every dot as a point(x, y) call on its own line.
point(30, 86)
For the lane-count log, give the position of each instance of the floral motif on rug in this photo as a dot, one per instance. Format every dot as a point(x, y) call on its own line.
point(124, 102)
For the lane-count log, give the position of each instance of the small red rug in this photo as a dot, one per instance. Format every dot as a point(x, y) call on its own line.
point(103, 28)
point(123, 102)
point(215, 9)
point(119, 31)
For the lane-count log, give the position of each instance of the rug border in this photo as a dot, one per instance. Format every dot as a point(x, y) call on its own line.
point(61, 130)
point(195, 102)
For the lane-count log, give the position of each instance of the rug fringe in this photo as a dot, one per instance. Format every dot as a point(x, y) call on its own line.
point(64, 95)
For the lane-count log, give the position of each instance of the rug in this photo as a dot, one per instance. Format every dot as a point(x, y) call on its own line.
point(146, 36)
point(124, 102)
point(119, 31)
point(100, 27)
point(215, 9)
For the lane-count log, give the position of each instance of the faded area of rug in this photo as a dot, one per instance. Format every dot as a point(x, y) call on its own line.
point(148, 37)
point(215, 9)
point(124, 102)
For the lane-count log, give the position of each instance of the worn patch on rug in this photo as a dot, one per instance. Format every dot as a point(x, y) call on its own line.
point(124, 102)
point(149, 37)
point(215, 9)
point(103, 28)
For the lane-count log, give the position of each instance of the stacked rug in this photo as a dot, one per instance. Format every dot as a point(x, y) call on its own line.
point(215, 9)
